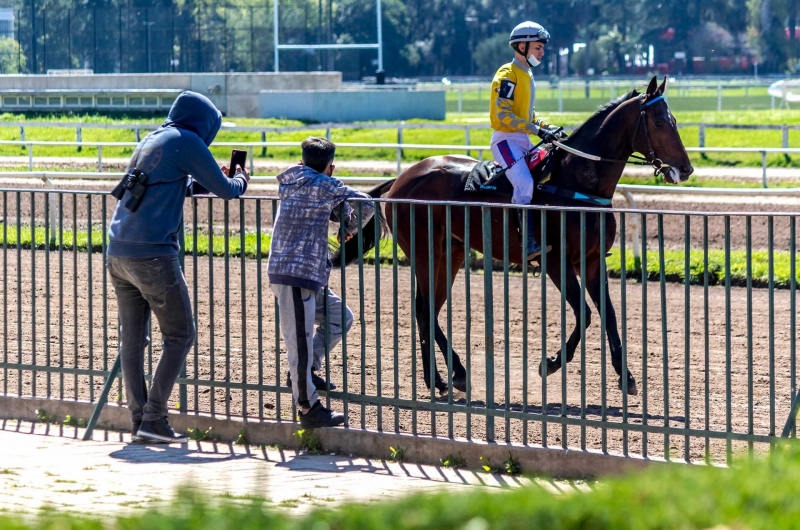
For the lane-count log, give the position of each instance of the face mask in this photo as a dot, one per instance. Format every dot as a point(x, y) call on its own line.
point(533, 61)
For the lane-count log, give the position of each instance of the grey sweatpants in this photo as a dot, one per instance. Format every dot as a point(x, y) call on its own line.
point(300, 310)
point(145, 286)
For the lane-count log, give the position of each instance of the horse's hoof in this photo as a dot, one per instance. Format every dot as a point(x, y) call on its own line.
point(460, 384)
point(632, 388)
point(553, 365)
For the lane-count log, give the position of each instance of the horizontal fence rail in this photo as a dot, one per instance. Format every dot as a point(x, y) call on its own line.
point(331, 128)
point(706, 320)
point(399, 148)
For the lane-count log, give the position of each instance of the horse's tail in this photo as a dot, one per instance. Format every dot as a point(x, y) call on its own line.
point(368, 236)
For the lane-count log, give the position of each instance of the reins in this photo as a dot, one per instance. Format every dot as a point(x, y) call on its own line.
point(657, 163)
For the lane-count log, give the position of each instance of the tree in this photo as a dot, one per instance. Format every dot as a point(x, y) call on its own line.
point(12, 60)
point(491, 53)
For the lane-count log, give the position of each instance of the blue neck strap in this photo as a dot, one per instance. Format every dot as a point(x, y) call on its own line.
point(656, 100)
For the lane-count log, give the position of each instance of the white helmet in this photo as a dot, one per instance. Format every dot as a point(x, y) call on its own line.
point(528, 32)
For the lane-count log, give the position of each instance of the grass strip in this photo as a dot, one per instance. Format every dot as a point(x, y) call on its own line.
point(674, 260)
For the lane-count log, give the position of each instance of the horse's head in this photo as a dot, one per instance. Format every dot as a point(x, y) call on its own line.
point(656, 135)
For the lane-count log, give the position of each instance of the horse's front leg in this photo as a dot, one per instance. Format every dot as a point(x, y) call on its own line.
point(569, 285)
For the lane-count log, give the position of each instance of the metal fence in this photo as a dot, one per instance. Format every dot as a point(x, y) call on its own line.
point(709, 331)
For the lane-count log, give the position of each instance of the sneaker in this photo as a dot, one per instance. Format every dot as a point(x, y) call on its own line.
point(319, 416)
point(135, 432)
point(320, 384)
point(159, 431)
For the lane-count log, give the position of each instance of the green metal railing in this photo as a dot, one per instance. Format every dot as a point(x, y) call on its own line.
point(707, 325)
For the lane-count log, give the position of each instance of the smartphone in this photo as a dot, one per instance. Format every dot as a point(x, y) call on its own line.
point(238, 158)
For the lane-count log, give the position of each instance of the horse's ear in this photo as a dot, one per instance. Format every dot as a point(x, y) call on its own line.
point(651, 88)
point(662, 88)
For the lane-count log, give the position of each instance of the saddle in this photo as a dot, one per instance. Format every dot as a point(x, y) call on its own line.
point(490, 177)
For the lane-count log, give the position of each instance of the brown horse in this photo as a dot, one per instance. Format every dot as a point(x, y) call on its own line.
point(633, 122)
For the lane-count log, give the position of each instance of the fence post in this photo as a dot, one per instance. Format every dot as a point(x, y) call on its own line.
point(138, 134)
point(719, 96)
point(764, 168)
point(263, 140)
point(99, 158)
point(587, 88)
point(460, 100)
point(772, 103)
point(701, 135)
point(250, 156)
point(467, 138)
point(22, 133)
point(486, 230)
point(328, 133)
point(79, 137)
point(785, 131)
point(101, 401)
point(560, 98)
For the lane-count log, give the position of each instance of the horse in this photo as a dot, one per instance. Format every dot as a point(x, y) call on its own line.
point(634, 122)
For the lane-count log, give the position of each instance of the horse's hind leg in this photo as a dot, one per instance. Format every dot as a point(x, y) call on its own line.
point(442, 340)
point(593, 282)
point(573, 297)
point(424, 324)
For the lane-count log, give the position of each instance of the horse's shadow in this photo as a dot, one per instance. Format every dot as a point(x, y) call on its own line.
point(555, 409)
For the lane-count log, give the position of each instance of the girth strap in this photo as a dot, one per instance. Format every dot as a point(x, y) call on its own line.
point(574, 195)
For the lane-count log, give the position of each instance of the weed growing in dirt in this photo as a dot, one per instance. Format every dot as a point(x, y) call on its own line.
point(71, 421)
point(200, 435)
point(253, 498)
point(510, 466)
point(397, 454)
point(44, 417)
point(241, 438)
point(454, 462)
point(309, 441)
point(7, 471)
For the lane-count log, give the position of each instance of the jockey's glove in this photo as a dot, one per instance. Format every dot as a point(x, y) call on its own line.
point(547, 135)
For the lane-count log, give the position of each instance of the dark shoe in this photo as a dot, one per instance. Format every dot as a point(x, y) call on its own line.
point(135, 432)
point(319, 416)
point(320, 384)
point(159, 432)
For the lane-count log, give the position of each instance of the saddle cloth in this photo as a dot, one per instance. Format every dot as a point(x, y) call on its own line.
point(490, 177)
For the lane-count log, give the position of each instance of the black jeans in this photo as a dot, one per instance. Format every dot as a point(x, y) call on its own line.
point(158, 285)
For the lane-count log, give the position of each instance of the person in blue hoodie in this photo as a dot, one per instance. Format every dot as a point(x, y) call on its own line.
point(143, 254)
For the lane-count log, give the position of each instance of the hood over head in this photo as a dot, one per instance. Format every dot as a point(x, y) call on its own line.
point(195, 112)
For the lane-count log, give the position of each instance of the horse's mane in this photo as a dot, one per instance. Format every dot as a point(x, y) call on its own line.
point(594, 122)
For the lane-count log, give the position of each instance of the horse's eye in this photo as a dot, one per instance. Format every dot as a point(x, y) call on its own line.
point(659, 123)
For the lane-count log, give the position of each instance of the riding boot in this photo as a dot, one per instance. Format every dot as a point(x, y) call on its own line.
point(533, 248)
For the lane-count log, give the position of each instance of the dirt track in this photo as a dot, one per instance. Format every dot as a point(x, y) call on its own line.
point(254, 356)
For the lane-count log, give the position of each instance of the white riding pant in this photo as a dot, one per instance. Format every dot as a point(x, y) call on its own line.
point(507, 149)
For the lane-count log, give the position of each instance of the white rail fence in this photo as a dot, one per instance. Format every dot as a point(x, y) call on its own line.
point(398, 147)
point(398, 127)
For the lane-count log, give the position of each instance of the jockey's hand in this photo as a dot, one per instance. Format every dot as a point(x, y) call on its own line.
point(547, 135)
point(559, 132)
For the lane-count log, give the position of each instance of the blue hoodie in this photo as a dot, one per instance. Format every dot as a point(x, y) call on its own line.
point(168, 156)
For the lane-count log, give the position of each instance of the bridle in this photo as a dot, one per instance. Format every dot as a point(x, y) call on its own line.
point(658, 165)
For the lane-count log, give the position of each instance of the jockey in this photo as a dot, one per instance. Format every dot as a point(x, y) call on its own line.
point(514, 119)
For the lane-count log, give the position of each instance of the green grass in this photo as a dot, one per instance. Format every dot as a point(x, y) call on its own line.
point(674, 260)
point(760, 494)
point(477, 114)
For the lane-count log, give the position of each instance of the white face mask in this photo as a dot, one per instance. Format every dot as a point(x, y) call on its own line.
point(533, 61)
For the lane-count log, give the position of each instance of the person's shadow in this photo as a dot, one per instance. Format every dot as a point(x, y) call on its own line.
point(179, 454)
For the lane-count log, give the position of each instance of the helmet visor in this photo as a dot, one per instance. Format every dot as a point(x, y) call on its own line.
point(531, 35)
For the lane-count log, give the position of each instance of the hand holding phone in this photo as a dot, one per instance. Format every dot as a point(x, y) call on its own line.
point(238, 158)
